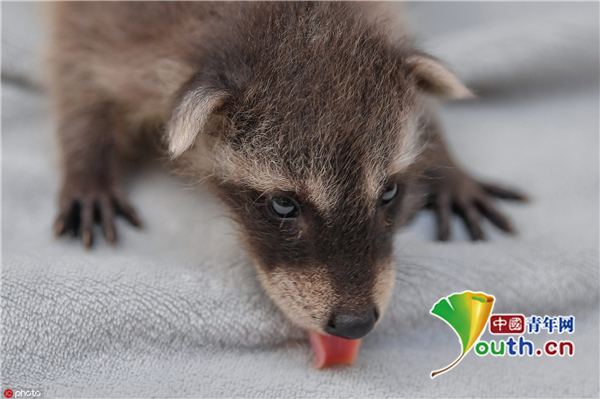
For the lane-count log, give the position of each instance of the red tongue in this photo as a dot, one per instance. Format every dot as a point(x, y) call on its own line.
point(331, 350)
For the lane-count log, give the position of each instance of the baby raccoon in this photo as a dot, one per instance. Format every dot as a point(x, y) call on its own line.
point(313, 122)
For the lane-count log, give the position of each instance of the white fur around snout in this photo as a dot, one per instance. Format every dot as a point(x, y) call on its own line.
point(308, 297)
point(190, 118)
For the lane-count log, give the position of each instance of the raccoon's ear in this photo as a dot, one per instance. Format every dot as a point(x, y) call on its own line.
point(436, 79)
point(190, 116)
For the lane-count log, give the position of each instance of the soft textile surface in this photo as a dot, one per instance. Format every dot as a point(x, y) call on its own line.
point(175, 310)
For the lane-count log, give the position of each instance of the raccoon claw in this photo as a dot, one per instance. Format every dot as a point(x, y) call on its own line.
point(79, 212)
point(456, 192)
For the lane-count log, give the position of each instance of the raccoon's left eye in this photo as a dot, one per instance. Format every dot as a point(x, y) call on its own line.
point(389, 194)
point(285, 207)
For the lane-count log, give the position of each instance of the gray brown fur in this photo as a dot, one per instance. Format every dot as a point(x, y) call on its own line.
point(315, 101)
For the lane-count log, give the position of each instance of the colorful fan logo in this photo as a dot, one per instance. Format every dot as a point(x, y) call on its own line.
point(467, 313)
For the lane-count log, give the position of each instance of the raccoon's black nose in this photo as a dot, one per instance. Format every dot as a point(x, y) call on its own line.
point(351, 326)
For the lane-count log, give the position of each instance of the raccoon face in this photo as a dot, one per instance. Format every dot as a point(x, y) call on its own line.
point(318, 204)
point(318, 134)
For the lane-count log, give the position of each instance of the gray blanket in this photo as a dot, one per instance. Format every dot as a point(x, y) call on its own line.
point(175, 310)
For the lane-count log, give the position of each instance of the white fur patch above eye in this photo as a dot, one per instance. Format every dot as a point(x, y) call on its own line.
point(408, 149)
point(250, 170)
point(190, 118)
point(437, 79)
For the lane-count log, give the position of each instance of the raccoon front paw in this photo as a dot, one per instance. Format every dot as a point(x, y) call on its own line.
point(81, 206)
point(453, 191)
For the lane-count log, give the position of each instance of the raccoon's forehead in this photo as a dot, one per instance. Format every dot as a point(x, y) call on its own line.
point(315, 130)
point(324, 165)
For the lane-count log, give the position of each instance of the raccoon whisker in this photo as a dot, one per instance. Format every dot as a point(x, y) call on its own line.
point(254, 275)
point(430, 257)
point(423, 268)
point(405, 267)
point(199, 182)
point(409, 241)
point(410, 283)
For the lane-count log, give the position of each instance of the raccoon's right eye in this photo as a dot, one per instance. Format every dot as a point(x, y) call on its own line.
point(285, 207)
point(389, 194)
